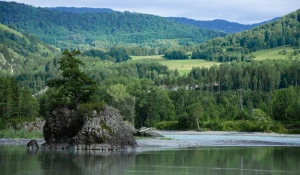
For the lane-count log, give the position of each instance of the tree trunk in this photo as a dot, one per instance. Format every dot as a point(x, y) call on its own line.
point(198, 126)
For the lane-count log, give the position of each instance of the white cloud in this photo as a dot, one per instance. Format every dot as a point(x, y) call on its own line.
point(243, 11)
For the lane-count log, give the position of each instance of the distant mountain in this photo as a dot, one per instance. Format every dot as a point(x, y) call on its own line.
point(239, 46)
point(80, 9)
point(219, 24)
point(73, 30)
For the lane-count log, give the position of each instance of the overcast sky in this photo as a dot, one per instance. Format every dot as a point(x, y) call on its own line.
point(242, 11)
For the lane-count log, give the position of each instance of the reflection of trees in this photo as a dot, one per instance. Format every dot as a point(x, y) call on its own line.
point(84, 162)
point(220, 160)
point(202, 160)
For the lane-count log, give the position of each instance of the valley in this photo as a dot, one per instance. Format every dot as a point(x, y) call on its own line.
point(157, 72)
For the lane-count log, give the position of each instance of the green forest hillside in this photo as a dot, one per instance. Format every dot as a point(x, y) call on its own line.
point(219, 24)
point(240, 46)
point(81, 30)
point(21, 52)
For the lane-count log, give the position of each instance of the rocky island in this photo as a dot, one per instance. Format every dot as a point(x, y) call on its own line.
point(97, 130)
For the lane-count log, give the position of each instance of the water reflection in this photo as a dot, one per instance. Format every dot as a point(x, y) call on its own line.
point(220, 160)
point(84, 162)
point(32, 152)
point(202, 160)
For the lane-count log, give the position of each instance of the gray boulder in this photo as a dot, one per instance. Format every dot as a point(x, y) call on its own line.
point(102, 130)
point(147, 132)
point(32, 145)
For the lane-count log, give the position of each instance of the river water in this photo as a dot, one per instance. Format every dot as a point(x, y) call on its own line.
point(234, 159)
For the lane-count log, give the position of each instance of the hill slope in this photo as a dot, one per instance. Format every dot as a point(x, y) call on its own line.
point(239, 46)
point(219, 24)
point(65, 29)
point(20, 52)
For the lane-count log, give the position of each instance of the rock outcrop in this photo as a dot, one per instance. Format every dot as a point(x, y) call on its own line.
point(102, 130)
point(147, 132)
point(36, 125)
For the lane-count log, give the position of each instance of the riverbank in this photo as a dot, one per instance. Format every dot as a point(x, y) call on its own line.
point(180, 139)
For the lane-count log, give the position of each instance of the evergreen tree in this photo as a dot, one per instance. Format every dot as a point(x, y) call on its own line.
point(75, 87)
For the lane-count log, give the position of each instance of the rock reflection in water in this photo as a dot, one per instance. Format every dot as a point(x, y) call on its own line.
point(84, 162)
point(32, 152)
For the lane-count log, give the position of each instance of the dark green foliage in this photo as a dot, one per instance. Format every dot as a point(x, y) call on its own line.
point(259, 76)
point(176, 55)
point(119, 54)
point(239, 46)
point(285, 104)
point(157, 106)
point(16, 103)
point(64, 29)
point(74, 85)
point(167, 125)
point(116, 54)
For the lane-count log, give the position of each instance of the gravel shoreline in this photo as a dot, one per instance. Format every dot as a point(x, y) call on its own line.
point(180, 139)
point(4, 141)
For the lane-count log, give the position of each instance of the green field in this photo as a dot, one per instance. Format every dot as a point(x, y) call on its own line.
point(275, 53)
point(183, 66)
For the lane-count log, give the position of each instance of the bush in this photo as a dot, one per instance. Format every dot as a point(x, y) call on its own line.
point(215, 126)
point(253, 126)
point(167, 125)
point(278, 128)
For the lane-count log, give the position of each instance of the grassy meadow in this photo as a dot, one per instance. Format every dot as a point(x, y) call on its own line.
point(183, 66)
point(275, 53)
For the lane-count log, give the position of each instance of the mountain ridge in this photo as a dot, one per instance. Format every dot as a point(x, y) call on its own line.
point(220, 24)
point(216, 24)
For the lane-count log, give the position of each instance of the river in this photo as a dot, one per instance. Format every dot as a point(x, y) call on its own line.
point(232, 154)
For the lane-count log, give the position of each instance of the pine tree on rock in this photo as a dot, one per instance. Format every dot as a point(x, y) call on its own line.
point(74, 87)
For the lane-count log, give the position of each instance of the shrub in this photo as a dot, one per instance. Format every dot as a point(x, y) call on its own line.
point(214, 125)
point(167, 125)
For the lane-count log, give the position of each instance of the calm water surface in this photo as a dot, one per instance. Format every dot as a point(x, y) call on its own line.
point(229, 160)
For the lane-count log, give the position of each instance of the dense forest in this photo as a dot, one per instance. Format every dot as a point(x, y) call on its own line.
point(239, 46)
point(219, 24)
point(85, 30)
point(243, 96)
